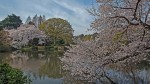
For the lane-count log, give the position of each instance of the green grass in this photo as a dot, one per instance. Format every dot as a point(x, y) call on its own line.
point(41, 48)
point(26, 49)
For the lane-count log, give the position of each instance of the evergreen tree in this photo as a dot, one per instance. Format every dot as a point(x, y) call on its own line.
point(44, 19)
point(11, 22)
point(28, 20)
point(34, 20)
point(40, 20)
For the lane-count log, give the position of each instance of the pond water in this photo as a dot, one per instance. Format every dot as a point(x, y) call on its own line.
point(46, 68)
point(41, 67)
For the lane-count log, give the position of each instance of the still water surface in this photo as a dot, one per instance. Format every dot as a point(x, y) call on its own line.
point(46, 68)
point(41, 67)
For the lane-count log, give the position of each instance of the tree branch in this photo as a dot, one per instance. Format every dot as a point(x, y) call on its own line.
point(135, 17)
point(122, 7)
point(122, 17)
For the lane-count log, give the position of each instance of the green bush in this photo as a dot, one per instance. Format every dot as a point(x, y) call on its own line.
point(9, 75)
point(48, 48)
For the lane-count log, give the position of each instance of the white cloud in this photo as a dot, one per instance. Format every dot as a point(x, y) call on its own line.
point(71, 10)
point(80, 19)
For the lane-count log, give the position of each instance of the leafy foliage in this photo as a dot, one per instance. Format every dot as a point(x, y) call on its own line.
point(9, 75)
point(11, 22)
point(4, 39)
point(83, 37)
point(59, 30)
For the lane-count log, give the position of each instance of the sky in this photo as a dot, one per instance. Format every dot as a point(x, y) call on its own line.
point(74, 11)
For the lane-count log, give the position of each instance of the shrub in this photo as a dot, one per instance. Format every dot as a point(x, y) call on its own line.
point(9, 75)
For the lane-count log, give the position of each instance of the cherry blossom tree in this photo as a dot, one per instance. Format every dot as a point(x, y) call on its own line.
point(90, 59)
point(123, 39)
point(121, 13)
point(24, 34)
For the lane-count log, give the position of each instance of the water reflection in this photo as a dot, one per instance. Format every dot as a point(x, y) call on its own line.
point(41, 67)
point(130, 74)
point(46, 68)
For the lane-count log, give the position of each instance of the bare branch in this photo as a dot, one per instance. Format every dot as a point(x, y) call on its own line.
point(122, 7)
point(122, 17)
point(135, 16)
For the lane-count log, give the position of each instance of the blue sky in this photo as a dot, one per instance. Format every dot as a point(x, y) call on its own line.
point(72, 10)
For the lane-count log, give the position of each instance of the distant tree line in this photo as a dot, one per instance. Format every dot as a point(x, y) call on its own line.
point(57, 31)
point(83, 37)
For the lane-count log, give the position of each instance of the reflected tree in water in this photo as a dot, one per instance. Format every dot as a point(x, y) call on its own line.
point(38, 64)
point(52, 66)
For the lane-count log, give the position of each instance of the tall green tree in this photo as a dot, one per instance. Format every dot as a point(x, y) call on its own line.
point(11, 22)
point(58, 30)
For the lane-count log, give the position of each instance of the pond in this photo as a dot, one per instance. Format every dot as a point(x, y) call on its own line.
point(41, 67)
point(46, 68)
